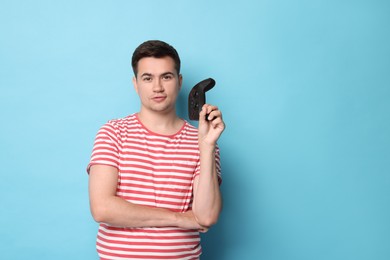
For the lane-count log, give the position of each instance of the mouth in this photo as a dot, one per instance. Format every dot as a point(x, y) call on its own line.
point(159, 98)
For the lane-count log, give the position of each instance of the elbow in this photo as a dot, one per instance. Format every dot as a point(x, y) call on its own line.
point(98, 218)
point(98, 213)
point(207, 220)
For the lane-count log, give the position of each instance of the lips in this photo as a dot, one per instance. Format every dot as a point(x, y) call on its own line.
point(159, 98)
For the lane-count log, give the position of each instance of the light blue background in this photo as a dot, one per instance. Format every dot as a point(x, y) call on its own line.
point(305, 91)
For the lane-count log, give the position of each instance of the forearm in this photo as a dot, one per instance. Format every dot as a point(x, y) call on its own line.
point(116, 211)
point(207, 202)
point(107, 207)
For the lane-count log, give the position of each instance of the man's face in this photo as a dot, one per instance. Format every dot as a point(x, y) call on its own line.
point(157, 84)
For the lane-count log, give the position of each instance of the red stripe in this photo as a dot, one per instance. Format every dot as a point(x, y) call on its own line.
point(153, 167)
point(133, 175)
point(135, 235)
point(156, 201)
point(103, 154)
point(145, 186)
point(146, 193)
point(163, 151)
point(128, 256)
point(133, 155)
point(184, 143)
point(104, 161)
point(131, 171)
point(149, 230)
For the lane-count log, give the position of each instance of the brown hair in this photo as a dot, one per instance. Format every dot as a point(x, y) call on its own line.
point(156, 49)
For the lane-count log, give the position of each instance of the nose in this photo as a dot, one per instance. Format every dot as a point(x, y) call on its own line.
point(158, 86)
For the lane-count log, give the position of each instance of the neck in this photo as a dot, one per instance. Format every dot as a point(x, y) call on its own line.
point(165, 124)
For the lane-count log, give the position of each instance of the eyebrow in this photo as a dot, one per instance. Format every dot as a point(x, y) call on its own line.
point(146, 74)
point(150, 74)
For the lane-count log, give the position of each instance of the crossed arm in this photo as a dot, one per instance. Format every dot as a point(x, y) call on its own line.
point(108, 208)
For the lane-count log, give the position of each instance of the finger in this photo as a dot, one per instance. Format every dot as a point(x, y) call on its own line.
point(214, 114)
point(202, 113)
point(205, 112)
point(218, 124)
point(203, 230)
point(210, 108)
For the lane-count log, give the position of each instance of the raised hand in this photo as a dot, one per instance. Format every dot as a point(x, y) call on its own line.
point(210, 128)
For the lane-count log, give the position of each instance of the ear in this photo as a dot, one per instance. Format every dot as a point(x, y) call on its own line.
point(180, 81)
point(135, 84)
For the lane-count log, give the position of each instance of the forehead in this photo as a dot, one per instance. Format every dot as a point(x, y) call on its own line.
point(156, 66)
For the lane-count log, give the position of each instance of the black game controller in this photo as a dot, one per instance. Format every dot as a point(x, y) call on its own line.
point(197, 97)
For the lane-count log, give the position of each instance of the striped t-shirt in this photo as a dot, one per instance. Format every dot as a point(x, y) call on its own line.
point(153, 170)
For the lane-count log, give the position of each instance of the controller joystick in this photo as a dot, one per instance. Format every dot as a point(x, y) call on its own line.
point(197, 97)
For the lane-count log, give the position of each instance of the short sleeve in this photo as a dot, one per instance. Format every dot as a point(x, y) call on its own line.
point(106, 147)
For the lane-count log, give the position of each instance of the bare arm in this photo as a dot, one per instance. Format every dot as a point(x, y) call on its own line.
point(207, 203)
point(106, 207)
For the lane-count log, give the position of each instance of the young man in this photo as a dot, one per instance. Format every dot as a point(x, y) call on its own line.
point(153, 178)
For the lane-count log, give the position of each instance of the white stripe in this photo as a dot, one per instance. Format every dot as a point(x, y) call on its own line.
point(169, 167)
point(145, 240)
point(159, 205)
point(103, 162)
point(130, 189)
point(160, 151)
point(174, 172)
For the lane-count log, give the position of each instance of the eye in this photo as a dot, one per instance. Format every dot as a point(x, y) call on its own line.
point(167, 77)
point(146, 78)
